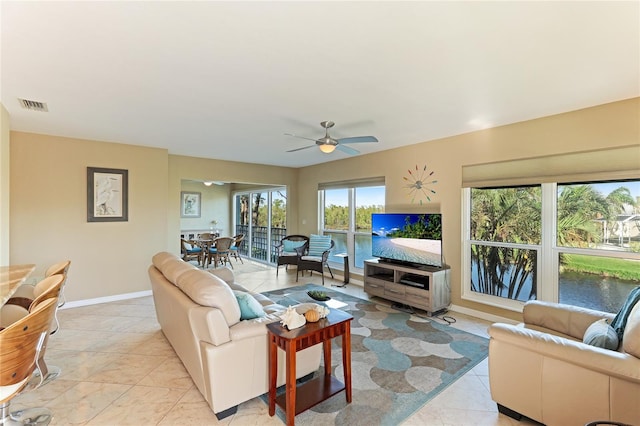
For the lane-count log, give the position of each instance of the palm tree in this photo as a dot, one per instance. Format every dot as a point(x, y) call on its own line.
point(510, 215)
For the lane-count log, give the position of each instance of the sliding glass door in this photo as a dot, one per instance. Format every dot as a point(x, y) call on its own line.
point(261, 216)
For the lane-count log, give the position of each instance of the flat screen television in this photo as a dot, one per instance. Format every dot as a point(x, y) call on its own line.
point(410, 238)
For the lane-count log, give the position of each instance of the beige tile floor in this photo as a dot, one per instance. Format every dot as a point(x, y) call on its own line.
point(118, 369)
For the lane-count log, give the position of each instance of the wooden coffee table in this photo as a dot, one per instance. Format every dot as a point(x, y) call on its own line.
point(297, 399)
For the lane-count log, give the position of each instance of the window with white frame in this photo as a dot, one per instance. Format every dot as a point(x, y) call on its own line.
point(567, 240)
point(345, 213)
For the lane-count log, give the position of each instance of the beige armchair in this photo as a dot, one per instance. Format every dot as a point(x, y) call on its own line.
point(541, 368)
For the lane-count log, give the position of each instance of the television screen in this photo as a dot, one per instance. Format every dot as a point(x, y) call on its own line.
point(407, 237)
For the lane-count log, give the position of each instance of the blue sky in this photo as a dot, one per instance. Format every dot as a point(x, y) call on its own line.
point(606, 188)
point(374, 196)
point(367, 196)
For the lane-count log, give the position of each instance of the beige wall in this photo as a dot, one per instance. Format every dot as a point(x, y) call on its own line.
point(49, 212)
point(611, 125)
point(215, 206)
point(48, 191)
point(5, 125)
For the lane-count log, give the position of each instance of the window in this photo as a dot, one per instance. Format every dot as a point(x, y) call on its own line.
point(345, 214)
point(576, 243)
point(505, 241)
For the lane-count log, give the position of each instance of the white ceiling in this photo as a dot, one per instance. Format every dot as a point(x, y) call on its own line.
point(226, 80)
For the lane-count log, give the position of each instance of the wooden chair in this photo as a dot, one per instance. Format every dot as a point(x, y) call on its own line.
point(220, 251)
point(60, 268)
point(191, 250)
point(238, 240)
point(18, 307)
point(307, 262)
point(21, 347)
point(286, 250)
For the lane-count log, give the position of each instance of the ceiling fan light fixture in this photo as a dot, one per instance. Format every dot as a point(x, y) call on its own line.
point(327, 148)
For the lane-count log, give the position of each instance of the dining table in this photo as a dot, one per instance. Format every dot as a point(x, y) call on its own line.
point(11, 277)
point(205, 245)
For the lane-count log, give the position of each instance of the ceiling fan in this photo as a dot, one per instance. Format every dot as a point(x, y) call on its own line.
point(327, 144)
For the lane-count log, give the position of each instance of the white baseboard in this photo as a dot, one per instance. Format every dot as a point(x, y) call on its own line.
point(106, 299)
point(482, 315)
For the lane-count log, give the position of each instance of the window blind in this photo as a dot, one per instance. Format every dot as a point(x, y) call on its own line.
point(606, 164)
point(356, 183)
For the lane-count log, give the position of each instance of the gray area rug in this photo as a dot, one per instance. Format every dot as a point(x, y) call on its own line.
point(399, 361)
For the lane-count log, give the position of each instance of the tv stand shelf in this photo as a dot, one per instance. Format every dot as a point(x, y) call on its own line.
point(422, 287)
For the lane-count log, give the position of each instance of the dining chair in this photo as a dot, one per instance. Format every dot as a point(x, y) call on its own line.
point(60, 268)
point(220, 251)
point(238, 240)
point(191, 250)
point(21, 346)
point(18, 307)
point(11, 312)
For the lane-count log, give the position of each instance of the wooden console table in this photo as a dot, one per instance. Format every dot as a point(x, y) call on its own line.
point(298, 399)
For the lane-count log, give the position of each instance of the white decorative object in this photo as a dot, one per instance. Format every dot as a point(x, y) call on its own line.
point(292, 319)
point(322, 310)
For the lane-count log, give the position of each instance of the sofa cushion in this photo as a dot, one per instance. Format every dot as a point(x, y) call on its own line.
point(160, 258)
point(208, 290)
point(318, 244)
point(224, 273)
point(250, 308)
point(602, 335)
point(176, 267)
point(631, 337)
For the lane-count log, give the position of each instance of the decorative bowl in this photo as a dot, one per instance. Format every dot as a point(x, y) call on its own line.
point(320, 296)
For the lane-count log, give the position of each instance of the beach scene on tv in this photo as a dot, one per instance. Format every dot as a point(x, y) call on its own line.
point(413, 238)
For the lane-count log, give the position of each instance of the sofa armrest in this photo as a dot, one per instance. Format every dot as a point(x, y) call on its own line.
point(566, 319)
point(612, 363)
point(247, 329)
point(209, 325)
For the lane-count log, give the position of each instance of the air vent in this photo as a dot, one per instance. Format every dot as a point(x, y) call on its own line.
point(33, 105)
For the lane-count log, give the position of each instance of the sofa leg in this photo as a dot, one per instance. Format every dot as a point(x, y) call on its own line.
point(509, 412)
point(226, 413)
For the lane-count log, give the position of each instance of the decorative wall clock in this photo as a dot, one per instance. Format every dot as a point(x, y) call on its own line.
point(420, 184)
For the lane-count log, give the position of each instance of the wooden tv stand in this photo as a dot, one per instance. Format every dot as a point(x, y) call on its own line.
point(424, 287)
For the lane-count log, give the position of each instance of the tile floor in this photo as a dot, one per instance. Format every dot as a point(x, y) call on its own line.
point(118, 369)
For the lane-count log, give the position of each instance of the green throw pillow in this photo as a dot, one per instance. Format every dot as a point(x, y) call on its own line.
point(250, 308)
point(602, 335)
point(318, 244)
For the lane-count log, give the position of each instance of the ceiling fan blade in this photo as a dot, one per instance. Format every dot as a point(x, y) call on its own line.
point(301, 137)
point(358, 139)
point(300, 149)
point(347, 149)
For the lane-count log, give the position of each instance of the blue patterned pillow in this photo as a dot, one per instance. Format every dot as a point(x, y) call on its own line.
point(250, 308)
point(319, 244)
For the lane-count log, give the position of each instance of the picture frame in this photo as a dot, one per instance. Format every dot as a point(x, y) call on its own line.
point(107, 195)
point(190, 204)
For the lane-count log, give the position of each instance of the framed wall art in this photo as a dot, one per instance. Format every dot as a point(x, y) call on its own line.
point(107, 195)
point(190, 204)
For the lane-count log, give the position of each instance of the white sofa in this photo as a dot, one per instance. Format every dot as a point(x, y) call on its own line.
point(542, 369)
point(226, 357)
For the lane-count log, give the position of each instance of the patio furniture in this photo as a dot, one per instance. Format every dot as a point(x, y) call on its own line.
point(287, 254)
